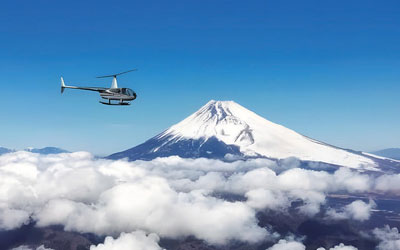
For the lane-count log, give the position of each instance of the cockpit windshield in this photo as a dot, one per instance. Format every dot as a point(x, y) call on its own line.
point(115, 91)
point(127, 91)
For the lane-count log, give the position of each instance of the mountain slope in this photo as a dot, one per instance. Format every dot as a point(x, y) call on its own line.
point(5, 150)
point(222, 128)
point(393, 153)
point(47, 150)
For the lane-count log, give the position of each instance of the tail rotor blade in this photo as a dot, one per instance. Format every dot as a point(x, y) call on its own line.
point(62, 85)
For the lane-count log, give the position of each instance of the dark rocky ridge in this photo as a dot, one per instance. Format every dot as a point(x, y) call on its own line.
point(211, 148)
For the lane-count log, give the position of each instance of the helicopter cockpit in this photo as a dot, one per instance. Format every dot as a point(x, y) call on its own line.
point(127, 91)
point(124, 91)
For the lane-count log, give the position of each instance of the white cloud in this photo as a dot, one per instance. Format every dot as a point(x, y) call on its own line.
point(263, 198)
point(351, 181)
point(357, 210)
point(285, 244)
point(341, 246)
point(172, 197)
point(150, 204)
point(389, 238)
point(137, 240)
point(388, 183)
point(13, 218)
point(291, 244)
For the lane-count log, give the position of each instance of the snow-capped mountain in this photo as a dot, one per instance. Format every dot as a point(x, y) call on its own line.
point(225, 129)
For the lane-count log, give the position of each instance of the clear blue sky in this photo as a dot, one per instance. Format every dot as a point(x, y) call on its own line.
point(327, 69)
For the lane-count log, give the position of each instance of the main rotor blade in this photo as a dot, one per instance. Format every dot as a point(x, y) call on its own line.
point(117, 74)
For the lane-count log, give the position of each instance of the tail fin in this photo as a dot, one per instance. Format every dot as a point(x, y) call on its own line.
point(62, 85)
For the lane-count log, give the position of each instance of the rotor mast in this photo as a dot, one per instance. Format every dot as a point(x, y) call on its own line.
point(114, 84)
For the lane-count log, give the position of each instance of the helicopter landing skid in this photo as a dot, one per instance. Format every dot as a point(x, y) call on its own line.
point(115, 104)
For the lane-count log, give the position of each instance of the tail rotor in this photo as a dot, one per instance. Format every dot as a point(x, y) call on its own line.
point(62, 85)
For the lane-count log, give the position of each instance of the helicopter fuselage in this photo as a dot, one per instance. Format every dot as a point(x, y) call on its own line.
point(123, 95)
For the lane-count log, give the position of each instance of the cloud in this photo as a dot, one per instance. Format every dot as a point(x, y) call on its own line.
point(13, 218)
point(171, 197)
point(388, 183)
point(341, 246)
point(285, 244)
point(263, 198)
point(291, 244)
point(389, 238)
point(357, 210)
point(150, 204)
point(137, 240)
point(109, 197)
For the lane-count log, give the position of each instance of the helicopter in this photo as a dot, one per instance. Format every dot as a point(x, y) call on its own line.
point(114, 95)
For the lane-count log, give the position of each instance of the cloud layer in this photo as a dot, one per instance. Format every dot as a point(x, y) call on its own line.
point(136, 202)
point(127, 241)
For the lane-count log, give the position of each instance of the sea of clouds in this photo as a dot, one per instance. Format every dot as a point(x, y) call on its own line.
point(136, 203)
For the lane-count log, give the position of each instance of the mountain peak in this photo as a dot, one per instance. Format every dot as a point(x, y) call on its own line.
point(225, 120)
point(225, 127)
point(219, 108)
point(216, 102)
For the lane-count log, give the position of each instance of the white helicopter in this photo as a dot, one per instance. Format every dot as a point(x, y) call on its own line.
point(123, 96)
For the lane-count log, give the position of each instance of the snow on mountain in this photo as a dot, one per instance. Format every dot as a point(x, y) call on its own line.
point(225, 127)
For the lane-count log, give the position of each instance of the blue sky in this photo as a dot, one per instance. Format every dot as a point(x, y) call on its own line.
point(327, 69)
